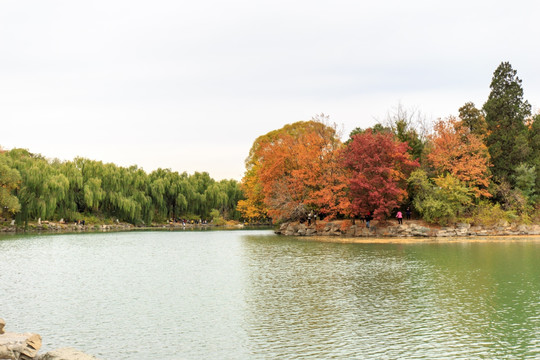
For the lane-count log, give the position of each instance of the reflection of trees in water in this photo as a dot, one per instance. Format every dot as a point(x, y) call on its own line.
point(305, 297)
point(489, 293)
point(390, 300)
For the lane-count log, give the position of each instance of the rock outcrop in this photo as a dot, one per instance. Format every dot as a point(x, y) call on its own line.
point(15, 346)
point(408, 229)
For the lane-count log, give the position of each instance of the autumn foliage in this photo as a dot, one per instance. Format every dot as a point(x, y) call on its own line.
point(295, 167)
point(305, 166)
point(485, 158)
point(379, 166)
point(461, 153)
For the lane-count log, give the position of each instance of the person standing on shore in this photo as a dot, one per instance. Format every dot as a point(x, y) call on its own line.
point(368, 219)
point(399, 217)
point(408, 213)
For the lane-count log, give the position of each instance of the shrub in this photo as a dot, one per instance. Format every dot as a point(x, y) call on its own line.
point(486, 213)
point(217, 219)
point(442, 200)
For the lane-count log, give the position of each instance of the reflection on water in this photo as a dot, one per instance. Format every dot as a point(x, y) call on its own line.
point(253, 295)
point(392, 301)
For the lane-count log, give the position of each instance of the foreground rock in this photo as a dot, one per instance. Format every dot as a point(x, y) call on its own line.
point(408, 229)
point(19, 346)
point(15, 346)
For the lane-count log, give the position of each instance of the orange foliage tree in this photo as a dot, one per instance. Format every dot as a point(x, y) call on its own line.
point(294, 168)
point(457, 151)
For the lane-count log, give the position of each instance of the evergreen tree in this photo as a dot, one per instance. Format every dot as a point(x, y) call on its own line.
point(506, 112)
point(473, 119)
point(534, 145)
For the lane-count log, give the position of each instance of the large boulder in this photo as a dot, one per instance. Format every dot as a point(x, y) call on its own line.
point(291, 229)
point(16, 346)
point(417, 230)
point(301, 229)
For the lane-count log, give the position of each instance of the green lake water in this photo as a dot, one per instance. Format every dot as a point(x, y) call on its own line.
point(255, 295)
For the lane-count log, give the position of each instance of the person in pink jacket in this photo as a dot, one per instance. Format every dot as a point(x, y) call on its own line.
point(399, 217)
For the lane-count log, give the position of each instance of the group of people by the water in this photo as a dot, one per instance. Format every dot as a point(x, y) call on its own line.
point(62, 221)
point(185, 222)
point(399, 215)
point(312, 217)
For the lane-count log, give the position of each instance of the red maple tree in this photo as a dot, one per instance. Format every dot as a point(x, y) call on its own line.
point(379, 166)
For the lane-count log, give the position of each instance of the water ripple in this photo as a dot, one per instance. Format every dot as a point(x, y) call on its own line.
point(251, 295)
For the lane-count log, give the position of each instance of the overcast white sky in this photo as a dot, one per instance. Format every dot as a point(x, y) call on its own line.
point(189, 85)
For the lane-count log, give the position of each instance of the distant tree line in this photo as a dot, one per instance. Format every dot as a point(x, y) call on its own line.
point(33, 187)
point(483, 165)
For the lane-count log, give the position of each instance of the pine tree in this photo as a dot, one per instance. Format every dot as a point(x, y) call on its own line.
point(534, 144)
point(473, 119)
point(506, 112)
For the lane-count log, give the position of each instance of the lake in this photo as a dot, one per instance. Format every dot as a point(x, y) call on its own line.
point(249, 294)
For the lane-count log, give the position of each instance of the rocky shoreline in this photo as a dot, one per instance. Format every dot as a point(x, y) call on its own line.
point(52, 227)
point(16, 346)
point(57, 227)
point(409, 229)
point(339, 228)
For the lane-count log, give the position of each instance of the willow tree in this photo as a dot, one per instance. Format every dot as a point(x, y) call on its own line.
point(139, 193)
point(234, 194)
point(68, 207)
point(166, 192)
point(116, 191)
point(134, 203)
point(91, 194)
point(33, 187)
point(201, 203)
point(42, 186)
point(10, 180)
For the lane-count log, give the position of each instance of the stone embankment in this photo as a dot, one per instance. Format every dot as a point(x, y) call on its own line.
point(15, 346)
point(408, 229)
point(52, 227)
point(46, 226)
